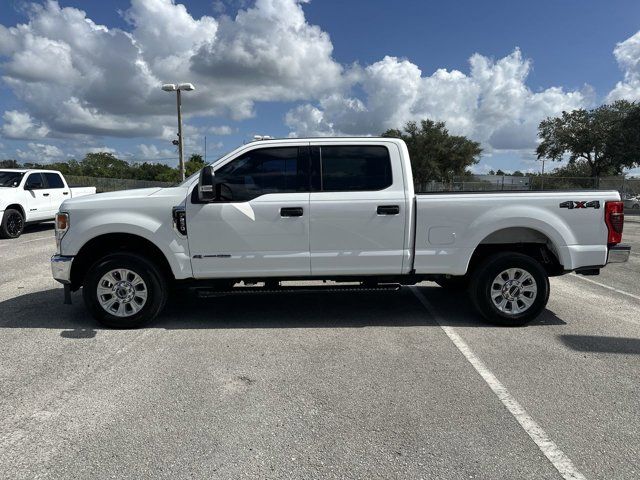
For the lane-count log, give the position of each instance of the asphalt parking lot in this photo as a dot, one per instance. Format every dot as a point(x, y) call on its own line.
point(357, 385)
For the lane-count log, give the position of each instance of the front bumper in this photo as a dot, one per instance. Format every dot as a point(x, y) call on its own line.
point(61, 268)
point(618, 253)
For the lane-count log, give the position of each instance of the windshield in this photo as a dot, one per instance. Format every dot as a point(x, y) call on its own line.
point(10, 179)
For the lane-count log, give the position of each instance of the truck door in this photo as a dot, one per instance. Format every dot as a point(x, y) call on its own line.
point(259, 224)
point(58, 191)
point(38, 205)
point(358, 209)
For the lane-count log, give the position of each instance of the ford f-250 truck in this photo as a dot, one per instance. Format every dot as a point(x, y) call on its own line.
point(340, 209)
point(32, 196)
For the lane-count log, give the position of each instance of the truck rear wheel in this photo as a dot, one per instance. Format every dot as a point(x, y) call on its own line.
point(124, 290)
point(12, 223)
point(509, 289)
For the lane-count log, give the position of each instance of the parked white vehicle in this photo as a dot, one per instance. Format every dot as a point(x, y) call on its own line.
point(632, 202)
point(32, 196)
point(341, 209)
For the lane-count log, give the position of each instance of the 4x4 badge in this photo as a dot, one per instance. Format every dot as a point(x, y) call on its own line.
point(570, 204)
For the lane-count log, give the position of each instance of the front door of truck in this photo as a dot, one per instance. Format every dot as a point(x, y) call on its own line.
point(38, 203)
point(358, 210)
point(258, 226)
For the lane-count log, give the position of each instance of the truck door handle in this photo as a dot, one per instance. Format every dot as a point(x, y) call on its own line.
point(388, 210)
point(65, 193)
point(291, 212)
point(45, 194)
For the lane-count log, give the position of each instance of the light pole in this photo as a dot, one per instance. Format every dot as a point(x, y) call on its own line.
point(178, 87)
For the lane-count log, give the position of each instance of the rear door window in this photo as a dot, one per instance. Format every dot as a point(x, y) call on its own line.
point(54, 180)
point(355, 168)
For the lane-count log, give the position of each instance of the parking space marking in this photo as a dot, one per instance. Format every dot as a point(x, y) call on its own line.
point(617, 290)
point(26, 241)
point(557, 457)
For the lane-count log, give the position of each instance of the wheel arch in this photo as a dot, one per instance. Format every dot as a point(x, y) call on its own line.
point(17, 206)
point(521, 239)
point(109, 243)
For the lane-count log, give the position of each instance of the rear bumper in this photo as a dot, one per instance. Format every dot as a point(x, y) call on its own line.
point(618, 253)
point(61, 268)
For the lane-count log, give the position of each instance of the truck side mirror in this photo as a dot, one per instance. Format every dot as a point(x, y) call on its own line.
point(205, 185)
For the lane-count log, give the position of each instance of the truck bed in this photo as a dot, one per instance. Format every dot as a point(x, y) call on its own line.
point(449, 226)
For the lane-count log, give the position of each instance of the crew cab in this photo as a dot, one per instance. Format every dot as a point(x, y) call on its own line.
point(32, 196)
point(333, 209)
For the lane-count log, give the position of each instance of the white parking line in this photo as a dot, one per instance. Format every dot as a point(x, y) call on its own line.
point(617, 290)
point(558, 459)
point(8, 244)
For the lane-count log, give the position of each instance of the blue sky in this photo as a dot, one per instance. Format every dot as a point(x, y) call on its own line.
point(491, 70)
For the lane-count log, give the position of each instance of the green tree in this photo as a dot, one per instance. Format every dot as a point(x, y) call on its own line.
point(9, 164)
point(605, 138)
point(194, 164)
point(435, 154)
point(154, 171)
point(500, 172)
point(518, 173)
point(105, 164)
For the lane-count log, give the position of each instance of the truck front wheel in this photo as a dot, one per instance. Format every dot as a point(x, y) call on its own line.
point(12, 223)
point(509, 289)
point(124, 290)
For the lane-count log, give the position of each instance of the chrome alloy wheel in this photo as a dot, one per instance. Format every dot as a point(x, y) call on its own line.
point(122, 292)
point(513, 291)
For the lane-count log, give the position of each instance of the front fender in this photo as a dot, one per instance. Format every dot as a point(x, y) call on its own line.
point(159, 231)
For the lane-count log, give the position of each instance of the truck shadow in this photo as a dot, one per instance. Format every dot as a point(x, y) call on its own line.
point(39, 227)
point(290, 310)
point(601, 344)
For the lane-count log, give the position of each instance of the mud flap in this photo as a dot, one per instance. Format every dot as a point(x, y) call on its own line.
point(67, 294)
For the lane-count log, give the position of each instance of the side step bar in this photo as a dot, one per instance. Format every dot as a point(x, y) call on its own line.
point(203, 292)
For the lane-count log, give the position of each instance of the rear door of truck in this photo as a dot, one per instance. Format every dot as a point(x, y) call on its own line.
point(358, 209)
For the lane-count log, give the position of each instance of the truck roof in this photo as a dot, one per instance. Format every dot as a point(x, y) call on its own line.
point(326, 139)
point(28, 170)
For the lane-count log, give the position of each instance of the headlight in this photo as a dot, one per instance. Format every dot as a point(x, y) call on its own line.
point(62, 225)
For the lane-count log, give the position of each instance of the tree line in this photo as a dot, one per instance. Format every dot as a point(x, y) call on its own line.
point(107, 165)
point(598, 142)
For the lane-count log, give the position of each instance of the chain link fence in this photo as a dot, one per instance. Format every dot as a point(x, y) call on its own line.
point(629, 188)
point(112, 184)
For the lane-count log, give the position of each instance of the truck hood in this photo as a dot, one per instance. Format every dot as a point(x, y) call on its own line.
point(123, 199)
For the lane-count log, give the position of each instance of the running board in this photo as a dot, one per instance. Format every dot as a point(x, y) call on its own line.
point(203, 292)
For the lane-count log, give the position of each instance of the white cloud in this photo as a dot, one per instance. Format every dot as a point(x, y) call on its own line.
point(103, 149)
point(40, 153)
point(20, 125)
point(152, 152)
point(627, 54)
point(81, 78)
point(492, 104)
point(221, 130)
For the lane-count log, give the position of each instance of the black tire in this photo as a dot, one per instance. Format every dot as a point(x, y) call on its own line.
point(454, 283)
point(12, 223)
point(155, 284)
point(482, 285)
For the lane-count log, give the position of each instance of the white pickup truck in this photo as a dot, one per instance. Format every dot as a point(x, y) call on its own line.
point(337, 209)
point(32, 196)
